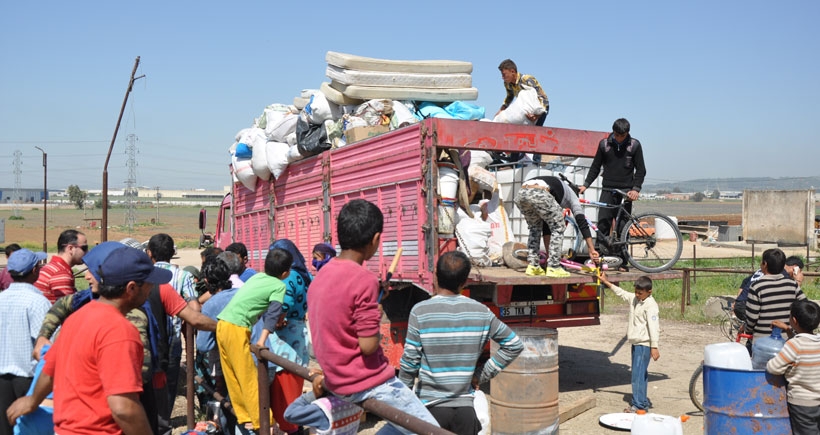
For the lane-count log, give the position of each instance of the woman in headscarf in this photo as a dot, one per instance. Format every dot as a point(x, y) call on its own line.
point(290, 340)
point(322, 253)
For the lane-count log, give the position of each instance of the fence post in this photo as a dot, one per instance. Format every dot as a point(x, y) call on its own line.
point(684, 291)
point(264, 390)
point(189, 375)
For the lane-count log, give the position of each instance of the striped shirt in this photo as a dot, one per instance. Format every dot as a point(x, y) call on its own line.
point(770, 298)
point(799, 360)
point(22, 310)
point(56, 279)
point(446, 335)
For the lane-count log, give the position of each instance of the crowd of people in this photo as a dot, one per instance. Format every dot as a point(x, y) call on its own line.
point(104, 359)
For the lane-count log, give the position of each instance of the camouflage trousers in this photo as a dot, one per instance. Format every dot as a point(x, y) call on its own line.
point(539, 208)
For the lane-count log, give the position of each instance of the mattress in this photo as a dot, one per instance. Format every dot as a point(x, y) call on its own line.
point(398, 79)
point(419, 94)
point(350, 61)
point(337, 97)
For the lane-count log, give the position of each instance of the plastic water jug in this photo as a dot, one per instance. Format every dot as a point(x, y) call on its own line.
point(727, 356)
point(656, 424)
point(765, 348)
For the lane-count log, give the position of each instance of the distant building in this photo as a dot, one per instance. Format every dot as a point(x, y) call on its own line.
point(26, 195)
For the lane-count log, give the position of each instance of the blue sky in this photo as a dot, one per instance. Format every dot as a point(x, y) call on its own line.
point(712, 88)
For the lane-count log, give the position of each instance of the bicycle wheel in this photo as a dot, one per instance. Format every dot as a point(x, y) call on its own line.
point(696, 387)
point(727, 327)
point(573, 240)
point(645, 250)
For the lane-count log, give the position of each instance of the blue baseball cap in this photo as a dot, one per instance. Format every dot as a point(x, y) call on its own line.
point(95, 257)
point(127, 264)
point(23, 261)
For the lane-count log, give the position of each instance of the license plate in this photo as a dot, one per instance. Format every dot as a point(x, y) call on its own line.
point(517, 310)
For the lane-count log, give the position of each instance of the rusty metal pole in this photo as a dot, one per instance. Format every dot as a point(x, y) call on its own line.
point(684, 291)
point(45, 199)
point(264, 390)
point(189, 374)
point(694, 263)
point(104, 229)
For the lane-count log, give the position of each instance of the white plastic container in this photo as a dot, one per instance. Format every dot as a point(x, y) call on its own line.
point(727, 356)
point(447, 181)
point(656, 424)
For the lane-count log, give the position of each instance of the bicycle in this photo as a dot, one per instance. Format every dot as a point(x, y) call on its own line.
point(638, 243)
point(733, 333)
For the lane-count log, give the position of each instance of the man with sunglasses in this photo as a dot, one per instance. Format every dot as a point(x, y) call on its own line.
point(56, 278)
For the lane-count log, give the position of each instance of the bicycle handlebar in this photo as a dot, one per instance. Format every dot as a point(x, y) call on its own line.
point(575, 188)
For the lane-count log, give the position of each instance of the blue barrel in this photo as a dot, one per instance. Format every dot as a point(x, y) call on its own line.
point(744, 402)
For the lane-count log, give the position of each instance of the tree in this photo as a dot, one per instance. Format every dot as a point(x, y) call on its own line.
point(715, 194)
point(76, 195)
point(698, 197)
point(676, 190)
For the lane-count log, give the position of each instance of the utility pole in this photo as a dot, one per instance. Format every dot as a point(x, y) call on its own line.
point(157, 221)
point(131, 183)
point(104, 229)
point(45, 198)
point(17, 196)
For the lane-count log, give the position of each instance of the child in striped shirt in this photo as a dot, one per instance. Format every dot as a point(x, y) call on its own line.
point(799, 360)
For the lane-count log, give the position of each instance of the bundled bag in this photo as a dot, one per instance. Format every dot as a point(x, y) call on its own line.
point(473, 236)
point(526, 103)
point(311, 139)
point(278, 129)
point(319, 109)
point(277, 157)
point(375, 112)
point(402, 116)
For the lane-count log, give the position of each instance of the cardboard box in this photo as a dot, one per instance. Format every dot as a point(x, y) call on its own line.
point(356, 134)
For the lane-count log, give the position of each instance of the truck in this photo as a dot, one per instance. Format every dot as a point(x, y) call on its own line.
point(398, 171)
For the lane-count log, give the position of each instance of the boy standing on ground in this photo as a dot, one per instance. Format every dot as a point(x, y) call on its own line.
point(770, 297)
point(446, 334)
point(345, 317)
point(643, 332)
point(799, 360)
point(264, 292)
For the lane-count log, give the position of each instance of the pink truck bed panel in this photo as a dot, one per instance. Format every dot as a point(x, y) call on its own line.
point(392, 171)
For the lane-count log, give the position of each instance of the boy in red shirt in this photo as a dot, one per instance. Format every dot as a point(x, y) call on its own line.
point(344, 319)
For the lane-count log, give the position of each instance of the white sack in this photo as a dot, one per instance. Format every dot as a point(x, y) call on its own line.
point(277, 157)
point(293, 154)
point(402, 116)
point(480, 158)
point(482, 411)
point(277, 131)
point(240, 133)
point(320, 109)
point(243, 170)
point(291, 139)
point(484, 178)
point(501, 230)
point(526, 103)
point(259, 162)
point(475, 235)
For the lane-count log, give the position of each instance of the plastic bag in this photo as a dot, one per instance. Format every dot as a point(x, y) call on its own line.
point(482, 411)
point(430, 110)
point(466, 111)
point(311, 139)
point(402, 116)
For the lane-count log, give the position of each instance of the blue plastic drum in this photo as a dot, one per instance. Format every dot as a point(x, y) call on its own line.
point(744, 402)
